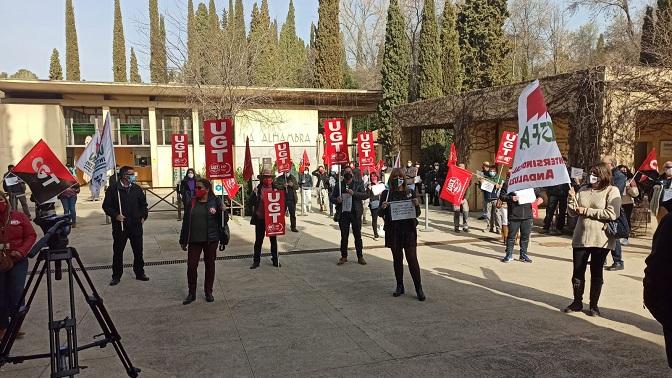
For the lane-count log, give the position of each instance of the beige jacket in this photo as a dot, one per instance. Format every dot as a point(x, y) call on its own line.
point(603, 206)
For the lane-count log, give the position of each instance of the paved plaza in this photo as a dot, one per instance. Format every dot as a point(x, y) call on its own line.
point(482, 318)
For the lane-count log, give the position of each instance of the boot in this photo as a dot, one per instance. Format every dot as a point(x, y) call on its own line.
point(577, 305)
point(595, 291)
point(399, 291)
point(420, 293)
point(505, 233)
point(190, 298)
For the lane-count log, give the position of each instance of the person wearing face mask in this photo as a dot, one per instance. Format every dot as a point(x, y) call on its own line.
point(410, 174)
point(203, 229)
point(491, 218)
point(259, 220)
point(187, 187)
point(306, 183)
point(322, 187)
point(663, 185)
point(401, 236)
point(125, 203)
point(374, 204)
point(628, 197)
point(17, 236)
point(485, 172)
point(352, 193)
point(290, 185)
point(462, 210)
point(594, 205)
point(520, 218)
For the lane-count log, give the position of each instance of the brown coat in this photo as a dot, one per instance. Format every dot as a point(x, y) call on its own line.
point(603, 206)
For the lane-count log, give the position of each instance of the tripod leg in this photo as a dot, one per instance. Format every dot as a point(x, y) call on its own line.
point(104, 320)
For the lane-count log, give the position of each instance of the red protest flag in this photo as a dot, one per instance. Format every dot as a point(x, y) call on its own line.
point(179, 143)
point(44, 173)
point(365, 150)
point(218, 138)
point(305, 162)
point(231, 187)
point(456, 185)
point(452, 158)
point(335, 133)
point(282, 159)
point(274, 212)
point(507, 148)
point(650, 163)
point(248, 172)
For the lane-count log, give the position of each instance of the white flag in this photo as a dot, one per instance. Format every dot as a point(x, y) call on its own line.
point(397, 161)
point(98, 158)
point(538, 162)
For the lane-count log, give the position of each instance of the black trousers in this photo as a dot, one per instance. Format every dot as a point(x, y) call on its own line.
point(260, 234)
point(351, 219)
point(407, 244)
point(374, 221)
point(597, 257)
point(132, 232)
point(291, 208)
point(628, 208)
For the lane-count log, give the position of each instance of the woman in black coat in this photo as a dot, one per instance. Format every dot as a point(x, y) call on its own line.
point(203, 228)
point(187, 187)
point(259, 221)
point(401, 235)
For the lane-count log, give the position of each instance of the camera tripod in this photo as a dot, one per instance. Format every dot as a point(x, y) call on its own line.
point(64, 357)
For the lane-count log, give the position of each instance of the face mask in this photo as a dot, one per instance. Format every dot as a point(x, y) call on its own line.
point(374, 180)
point(267, 181)
point(668, 171)
point(3, 207)
point(306, 171)
point(384, 168)
point(132, 179)
point(491, 174)
point(436, 167)
point(190, 175)
point(201, 192)
point(399, 181)
point(593, 179)
point(409, 165)
point(347, 176)
point(417, 166)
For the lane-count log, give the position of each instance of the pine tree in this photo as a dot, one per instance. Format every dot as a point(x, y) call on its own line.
point(71, 48)
point(156, 74)
point(135, 73)
point(647, 54)
point(483, 44)
point(292, 51)
point(55, 69)
point(395, 74)
point(329, 60)
point(450, 48)
point(118, 46)
point(430, 78)
point(191, 34)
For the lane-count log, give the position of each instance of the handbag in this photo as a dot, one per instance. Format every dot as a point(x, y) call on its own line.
point(619, 228)
point(499, 203)
point(6, 262)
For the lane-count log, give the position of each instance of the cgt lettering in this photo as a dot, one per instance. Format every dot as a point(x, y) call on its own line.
point(43, 171)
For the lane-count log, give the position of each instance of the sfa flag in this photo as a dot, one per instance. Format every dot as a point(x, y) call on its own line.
point(274, 212)
point(44, 173)
point(456, 185)
point(98, 158)
point(218, 135)
point(537, 161)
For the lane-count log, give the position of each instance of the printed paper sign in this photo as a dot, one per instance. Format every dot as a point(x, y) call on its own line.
point(335, 133)
point(346, 205)
point(179, 142)
point(537, 161)
point(400, 210)
point(577, 173)
point(11, 180)
point(282, 159)
point(218, 138)
point(507, 148)
point(487, 186)
point(377, 189)
point(274, 212)
point(667, 195)
point(526, 196)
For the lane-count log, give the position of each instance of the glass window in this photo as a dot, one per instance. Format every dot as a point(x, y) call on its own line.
point(81, 123)
point(130, 126)
point(173, 121)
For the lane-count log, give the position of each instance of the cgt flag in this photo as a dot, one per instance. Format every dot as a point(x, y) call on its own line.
point(282, 159)
point(365, 151)
point(274, 212)
point(218, 137)
point(44, 173)
point(456, 185)
point(231, 187)
point(335, 132)
point(537, 161)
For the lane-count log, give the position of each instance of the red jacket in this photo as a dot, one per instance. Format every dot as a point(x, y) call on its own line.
point(20, 233)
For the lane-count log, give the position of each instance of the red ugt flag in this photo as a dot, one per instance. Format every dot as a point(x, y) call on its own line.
point(44, 173)
point(305, 162)
point(274, 212)
point(179, 143)
point(218, 137)
point(335, 132)
point(365, 151)
point(456, 185)
point(282, 159)
point(507, 148)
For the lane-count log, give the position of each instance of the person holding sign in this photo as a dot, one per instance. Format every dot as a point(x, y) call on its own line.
point(288, 183)
point(348, 196)
point(374, 201)
point(520, 217)
point(594, 205)
point(400, 210)
point(462, 209)
point(259, 219)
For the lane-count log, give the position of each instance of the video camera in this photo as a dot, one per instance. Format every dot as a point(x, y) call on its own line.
point(56, 229)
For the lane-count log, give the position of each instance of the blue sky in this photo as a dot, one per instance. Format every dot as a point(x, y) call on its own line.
point(32, 28)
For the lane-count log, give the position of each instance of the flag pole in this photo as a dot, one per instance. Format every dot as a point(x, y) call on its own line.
point(116, 173)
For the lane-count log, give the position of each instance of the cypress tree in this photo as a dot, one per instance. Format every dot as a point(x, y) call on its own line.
point(647, 55)
point(213, 19)
point(264, 65)
point(163, 56)
point(232, 13)
point(71, 48)
point(450, 47)
point(430, 78)
point(55, 69)
point(313, 32)
point(292, 51)
point(201, 33)
point(395, 73)
point(662, 33)
point(600, 51)
point(118, 46)
point(191, 34)
point(240, 32)
point(328, 49)
point(156, 75)
point(135, 74)
point(483, 44)
point(225, 19)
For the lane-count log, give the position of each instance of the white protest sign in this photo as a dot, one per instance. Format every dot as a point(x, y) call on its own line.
point(667, 195)
point(377, 189)
point(577, 173)
point(487, 186)
point(11, 180)
point(537, 162)
point(526, 196)
point(346, 205)
point(400, 210)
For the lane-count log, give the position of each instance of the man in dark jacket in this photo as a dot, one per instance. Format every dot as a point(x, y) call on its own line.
point(349, 209)
point(557, 199)
point(16, 189)
point(520, 218)
point(322, 186)
point(431, 181)
point(618, 180)
point(288, 183)
point(125, 203)
point(657, 283)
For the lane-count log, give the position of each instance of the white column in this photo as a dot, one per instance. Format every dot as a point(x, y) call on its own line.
point(153, 144)
point(199, 161)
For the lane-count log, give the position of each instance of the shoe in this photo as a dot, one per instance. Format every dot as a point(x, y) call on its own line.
point(575, 306)
point(543, 231)
point(375, 238)
point(594, 311)
point(482, 217)
point(525, 259)
point(465, 229)
point(190, 298)
point(615, 267)
point(255, 265)
point(361, 261)
point(114, 282)
point(19, 335)
point(421, 295)
point(276, 264)
point(457, 230)
point(74, 225)
point(142, 277)
point(507, 259)
point(625, 241)
point(399, 291)
point(595, 291)
point(295, 230)
point(342, 261)
point(209, 298)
